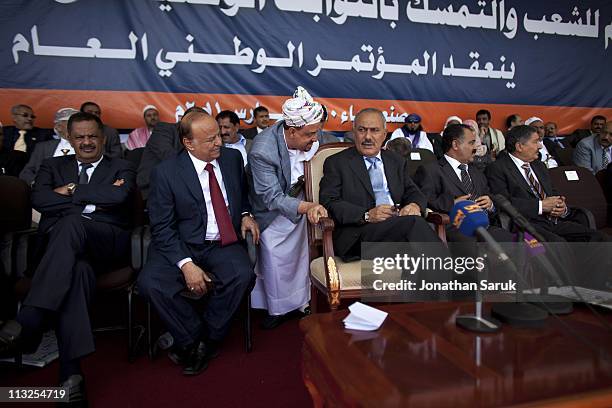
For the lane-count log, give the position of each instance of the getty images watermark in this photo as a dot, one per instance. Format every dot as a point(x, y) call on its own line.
point(407, 272)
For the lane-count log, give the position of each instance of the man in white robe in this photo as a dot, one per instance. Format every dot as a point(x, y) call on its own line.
point(276, 162)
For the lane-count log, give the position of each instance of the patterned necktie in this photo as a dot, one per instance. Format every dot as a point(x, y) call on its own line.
point(466, 180)
point(378, 184)
point(532, 180)
point(605, 159)
point(83, 177)
point(20, 144)
point(224, 222)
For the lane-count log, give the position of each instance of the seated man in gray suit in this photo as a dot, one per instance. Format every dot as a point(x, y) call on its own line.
point(276, 162)
point(50, 148)
point(594, 152)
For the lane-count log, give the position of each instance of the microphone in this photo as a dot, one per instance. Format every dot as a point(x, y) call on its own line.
point(519, 219)
point(472, 221)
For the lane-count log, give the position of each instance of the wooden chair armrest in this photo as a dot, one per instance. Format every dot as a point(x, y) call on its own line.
point(332, 279)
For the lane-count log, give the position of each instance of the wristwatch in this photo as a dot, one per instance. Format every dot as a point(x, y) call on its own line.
point(246, 214)
point(366, 216)
point(71, 187)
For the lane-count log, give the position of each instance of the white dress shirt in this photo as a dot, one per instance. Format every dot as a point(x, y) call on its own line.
point(89, 208)
point(63, 144)
point(297, 159)
point(259, 130)
point(212, 229)
point(454, 163)
point(547, 158)
point(519, 164)
point(240, 145)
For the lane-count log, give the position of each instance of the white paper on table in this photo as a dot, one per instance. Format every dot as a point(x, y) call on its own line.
point(572, 175)
point(415, 156)
point(364, 317)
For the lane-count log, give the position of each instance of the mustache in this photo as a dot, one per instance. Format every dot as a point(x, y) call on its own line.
point(87, 146)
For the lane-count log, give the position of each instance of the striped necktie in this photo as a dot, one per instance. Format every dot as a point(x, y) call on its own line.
point(537, 187)
point(466, 180)
point(605, 160)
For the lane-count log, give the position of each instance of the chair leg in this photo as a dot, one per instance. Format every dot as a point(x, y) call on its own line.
point(314, 304)
point(149, 340)
point(248, 334)
point(130, 328)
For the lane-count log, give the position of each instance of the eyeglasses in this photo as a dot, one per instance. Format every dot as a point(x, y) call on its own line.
point(26, 115)
point(413, 121)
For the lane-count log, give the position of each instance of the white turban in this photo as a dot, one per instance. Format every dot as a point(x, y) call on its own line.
point(533, 119)
point(149, 107)
point(302, 110)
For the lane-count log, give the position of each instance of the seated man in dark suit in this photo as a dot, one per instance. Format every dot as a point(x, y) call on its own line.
point(112, 145)
point(524, 180)
point(20, 140)
point(369, 193)
point(163, 144)
point(453, 178)
point(83, 199)
point(198, 207)
point(555, 144)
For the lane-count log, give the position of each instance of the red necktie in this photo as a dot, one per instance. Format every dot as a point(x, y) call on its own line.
point(224, 222)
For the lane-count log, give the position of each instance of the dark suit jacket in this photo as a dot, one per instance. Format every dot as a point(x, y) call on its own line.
point(163, 144)
point(43, 151)
point(578, 135)
point(32, 137)
point(553, 148)
point(112, 143)
point(112, 202)
point(249, 133)
point(506, 179)
point(177, 209)
point(440, 184)
point(346, 191)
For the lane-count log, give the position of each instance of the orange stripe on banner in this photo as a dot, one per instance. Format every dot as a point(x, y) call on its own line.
point(124, 109)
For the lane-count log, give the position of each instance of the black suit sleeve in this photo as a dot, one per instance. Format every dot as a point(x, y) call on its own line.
point(159, 147)
point(330, 196)
point(499, 184)
point(431, 186)
point(44, 199)
point(162, 216)
point(107, 195)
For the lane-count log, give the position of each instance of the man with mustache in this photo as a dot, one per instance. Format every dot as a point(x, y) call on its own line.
point(229, 123)
point(369, 192)
point(84, 202)
point(199, 213)
point(595, 152)
point(454, 178)
point(276, 163)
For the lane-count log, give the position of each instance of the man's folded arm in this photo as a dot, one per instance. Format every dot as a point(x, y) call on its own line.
point(107, 194)
point(44, 199)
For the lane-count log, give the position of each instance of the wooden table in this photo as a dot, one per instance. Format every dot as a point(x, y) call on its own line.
point(419, 358)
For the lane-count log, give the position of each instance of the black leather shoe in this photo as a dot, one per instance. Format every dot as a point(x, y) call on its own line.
point(10, 334)
point(198, 358)
point(77, 397)
point(178, 355)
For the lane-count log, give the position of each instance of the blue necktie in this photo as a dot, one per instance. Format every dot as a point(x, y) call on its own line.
point(378, 184)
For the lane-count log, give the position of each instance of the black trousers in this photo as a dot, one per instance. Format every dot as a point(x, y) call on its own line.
point(162, 283)
point(65, 279)
point(568, 229)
